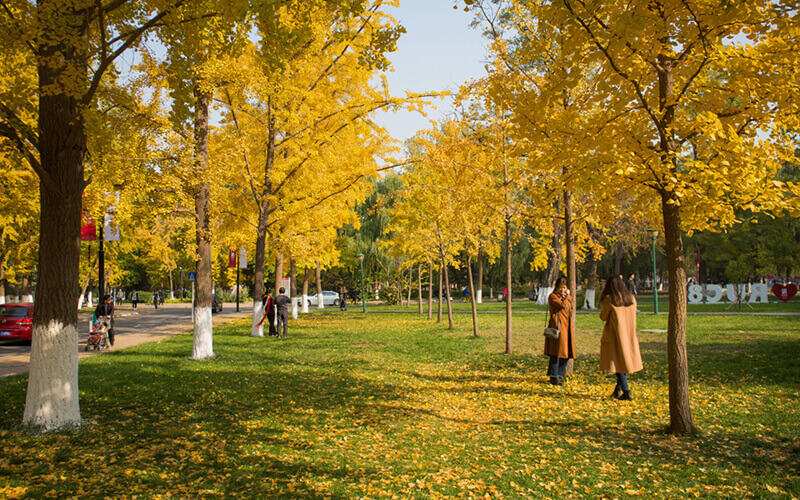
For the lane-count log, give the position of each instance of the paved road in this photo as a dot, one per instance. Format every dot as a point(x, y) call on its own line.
point(133, 327)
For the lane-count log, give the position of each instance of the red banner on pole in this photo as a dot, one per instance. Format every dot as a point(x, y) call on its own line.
point(232, 258)
point(88, 229)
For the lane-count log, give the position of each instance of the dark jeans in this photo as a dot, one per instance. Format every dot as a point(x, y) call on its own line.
point(556, 366)
point(283, 320)
point(622, 381)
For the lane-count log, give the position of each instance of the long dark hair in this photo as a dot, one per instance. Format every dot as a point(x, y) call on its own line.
point(616, 290)
point(560, 281)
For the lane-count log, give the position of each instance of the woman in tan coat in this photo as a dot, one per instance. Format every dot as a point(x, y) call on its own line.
point(560, 350)
point(619, 345)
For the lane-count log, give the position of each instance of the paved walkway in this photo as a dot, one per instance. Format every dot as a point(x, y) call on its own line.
point(135, 327)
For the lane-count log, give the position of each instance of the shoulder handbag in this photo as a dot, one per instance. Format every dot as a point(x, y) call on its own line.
point(551, 333)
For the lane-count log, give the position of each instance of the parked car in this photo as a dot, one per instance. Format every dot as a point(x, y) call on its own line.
point(216, 305)
point(16, 322)
point(328, 299)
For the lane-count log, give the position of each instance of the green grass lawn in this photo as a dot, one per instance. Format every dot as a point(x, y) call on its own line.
point(393, 405)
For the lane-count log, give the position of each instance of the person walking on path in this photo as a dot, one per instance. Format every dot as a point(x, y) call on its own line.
point(619, 344)
point(134, 299)
point(105, 312)
point(155, 299)
point(282, 302)
point(562, 349)
point(343, 298)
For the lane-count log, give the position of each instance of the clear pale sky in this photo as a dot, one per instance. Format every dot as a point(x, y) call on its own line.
point(439, 51)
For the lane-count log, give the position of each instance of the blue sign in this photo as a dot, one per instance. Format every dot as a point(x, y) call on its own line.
point(192, 276)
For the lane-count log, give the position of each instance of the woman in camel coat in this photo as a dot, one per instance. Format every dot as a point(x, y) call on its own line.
point(560, 350)
point(619, 345)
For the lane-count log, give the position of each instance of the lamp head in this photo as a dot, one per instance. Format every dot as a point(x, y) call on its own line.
point(361, 256)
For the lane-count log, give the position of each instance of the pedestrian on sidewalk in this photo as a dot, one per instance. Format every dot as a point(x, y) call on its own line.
point(155, 299)
point(134, 299)
point(619, 344)
point(343, 298)
point(282, 302)
point(105, 312)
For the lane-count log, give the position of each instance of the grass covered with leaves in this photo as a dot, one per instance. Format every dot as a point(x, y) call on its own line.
point(391, 405)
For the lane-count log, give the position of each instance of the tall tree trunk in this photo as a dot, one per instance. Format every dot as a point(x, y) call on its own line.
point(430, 289)
point(293, 286)
point(479, 291)
point(52, 400)
point(509, 330)
point(203, 333)
point(680, 412)
point(320, 303)
point(3, 280)
point(27, 289)
point(472, 298)
point(304, 300)
point(262, 231)
point(410, 282)
point(278, 272)
point(450, 324)
point(399, 300)
point(439, 313)
point(589, 301)
point(572, 278)
point(419, 287)
point(618, 255)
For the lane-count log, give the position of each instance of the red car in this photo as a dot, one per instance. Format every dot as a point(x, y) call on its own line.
point(16, 322)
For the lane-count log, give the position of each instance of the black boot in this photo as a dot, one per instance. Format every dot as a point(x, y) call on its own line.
point(625, 396)
point(617, 392)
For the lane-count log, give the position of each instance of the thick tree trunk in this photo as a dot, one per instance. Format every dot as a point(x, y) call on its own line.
point(27, 289)
point(203, 332)
point(320, 303)
point(293, 287)
point(509, 330)
point(52, 400)
point(680, 412)
point(479, 291)
point(472, 299)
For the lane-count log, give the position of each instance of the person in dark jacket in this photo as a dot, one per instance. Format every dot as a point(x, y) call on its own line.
point(269, 314)
point(282, 302)
point(105, 312)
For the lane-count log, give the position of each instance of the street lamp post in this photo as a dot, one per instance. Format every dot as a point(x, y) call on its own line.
point(654, 234)
point(363, 290)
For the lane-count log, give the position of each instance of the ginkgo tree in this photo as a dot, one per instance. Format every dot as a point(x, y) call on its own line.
point(694, 100)
point(303, 128)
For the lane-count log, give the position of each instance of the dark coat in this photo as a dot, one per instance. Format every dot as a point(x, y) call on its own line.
point(561, 314)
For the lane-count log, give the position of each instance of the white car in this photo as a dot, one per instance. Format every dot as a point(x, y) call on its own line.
point(328, 299)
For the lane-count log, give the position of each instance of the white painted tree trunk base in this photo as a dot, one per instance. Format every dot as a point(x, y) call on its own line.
point(304, 308)
point(27, 299)
point(203, 347)
point(544, 292)
point(294, 308)
point(479, 297)
point(257, 329)
point(52, 401)
point(588, 301)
